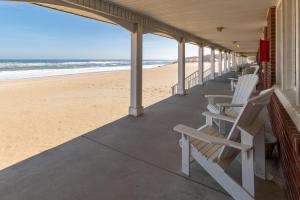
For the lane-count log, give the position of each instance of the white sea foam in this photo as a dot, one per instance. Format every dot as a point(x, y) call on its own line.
point(43, 69)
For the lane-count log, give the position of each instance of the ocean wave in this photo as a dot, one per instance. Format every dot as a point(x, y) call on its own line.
point(26, 73)
point(36, 65)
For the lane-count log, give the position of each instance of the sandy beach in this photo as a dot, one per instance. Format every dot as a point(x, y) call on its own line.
point(38, 114)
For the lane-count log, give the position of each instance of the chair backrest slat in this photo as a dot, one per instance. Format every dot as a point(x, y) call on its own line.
point(251, 70)
point(256, 69)
point(247, 117)
point(245, 86)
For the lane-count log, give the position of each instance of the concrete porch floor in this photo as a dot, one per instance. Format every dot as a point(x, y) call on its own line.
point(127, 159)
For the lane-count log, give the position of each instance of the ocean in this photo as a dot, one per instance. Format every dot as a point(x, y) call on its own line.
point(25, 69)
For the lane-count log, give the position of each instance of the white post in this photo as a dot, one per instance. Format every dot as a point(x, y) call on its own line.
point(200, 65)
point(212, 63)
point(234, 61)
point(229, 61)
point(225, 61)
point(185, 155)
point(220, 62)
point(181, 67)
point(242, 61)
point(136, 107)
point(247, 164)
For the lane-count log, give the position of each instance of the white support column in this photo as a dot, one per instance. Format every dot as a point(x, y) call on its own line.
point(136, 107)
point(200, 65)
point(234, 61)
point(229, 61)
point(220, 63)
point(212, 64)
point(242, 61)
point(181, 67)
point(225, 62)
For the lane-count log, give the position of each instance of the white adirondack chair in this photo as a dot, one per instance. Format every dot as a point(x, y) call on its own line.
point(214, 152)
point(250, 70)
point(245, 86)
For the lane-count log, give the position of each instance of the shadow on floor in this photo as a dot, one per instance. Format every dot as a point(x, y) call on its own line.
point(130, 158)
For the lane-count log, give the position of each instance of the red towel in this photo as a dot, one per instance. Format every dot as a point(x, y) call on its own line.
point(264, 51)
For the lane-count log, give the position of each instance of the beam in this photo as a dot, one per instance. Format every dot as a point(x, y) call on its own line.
point(200, 64)
point(136, 108)
point(124, 17)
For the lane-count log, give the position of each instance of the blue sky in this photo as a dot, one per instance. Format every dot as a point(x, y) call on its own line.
point(32, 32)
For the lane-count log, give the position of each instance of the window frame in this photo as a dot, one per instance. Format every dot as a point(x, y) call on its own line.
point(287, 50)
point(297, 53)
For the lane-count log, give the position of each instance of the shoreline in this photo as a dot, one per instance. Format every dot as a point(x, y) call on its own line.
point(75, 74)
point(84, 73)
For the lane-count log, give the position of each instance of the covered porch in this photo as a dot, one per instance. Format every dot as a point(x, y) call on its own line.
point(139, 157)
point(130, 158)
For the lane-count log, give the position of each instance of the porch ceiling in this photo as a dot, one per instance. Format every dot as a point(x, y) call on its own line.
point(243, 20)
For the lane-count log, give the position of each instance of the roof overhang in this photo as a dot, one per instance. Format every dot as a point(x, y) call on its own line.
point(194, 20)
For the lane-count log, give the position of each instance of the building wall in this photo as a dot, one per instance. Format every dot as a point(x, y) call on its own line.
point(289, 148)
point(283, 127)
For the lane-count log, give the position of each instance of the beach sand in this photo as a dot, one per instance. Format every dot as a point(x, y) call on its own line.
point(39, 114)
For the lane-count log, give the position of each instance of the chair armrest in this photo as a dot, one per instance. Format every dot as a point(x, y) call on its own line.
point(211, 98)
point(218, 96)
point(210, 139)
point(226, 105)
point(219, 116)
point(233, 79)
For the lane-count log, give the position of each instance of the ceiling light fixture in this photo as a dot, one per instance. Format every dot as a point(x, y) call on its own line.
point(220, 29)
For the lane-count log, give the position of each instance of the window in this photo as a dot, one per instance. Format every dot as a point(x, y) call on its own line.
point(298, 52)
point(279, 51)
point(287, 59)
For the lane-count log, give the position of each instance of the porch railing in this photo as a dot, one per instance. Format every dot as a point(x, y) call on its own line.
point(192, 80)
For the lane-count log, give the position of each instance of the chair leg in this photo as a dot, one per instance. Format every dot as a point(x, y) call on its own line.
point(259, 156)
point(209, 121)
point(247, 164)
point(228, 183)
point(185, 149)
point(222, 127)
point(232, 85)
